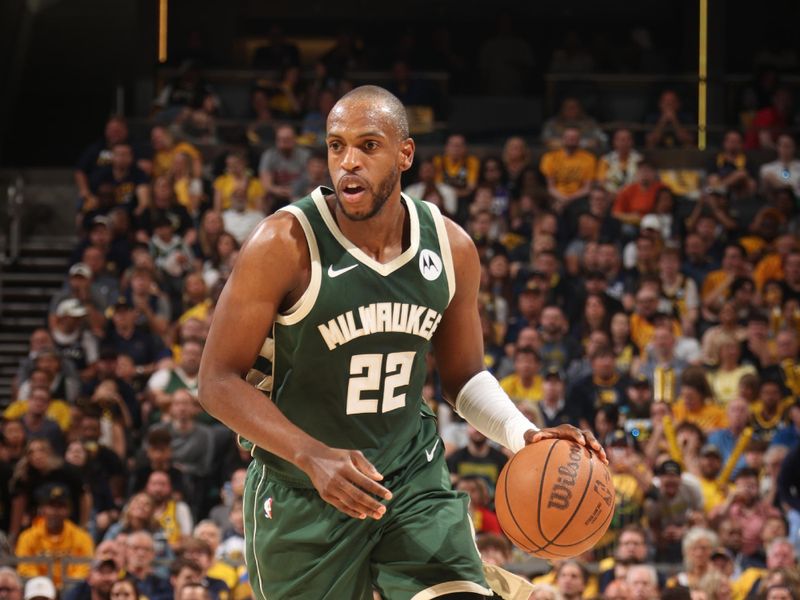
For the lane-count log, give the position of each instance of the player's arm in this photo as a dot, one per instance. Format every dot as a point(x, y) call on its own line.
point(458, 347)
point(272, 270)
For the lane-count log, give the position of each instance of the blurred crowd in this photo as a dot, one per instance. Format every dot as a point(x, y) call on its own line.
point(657, 306)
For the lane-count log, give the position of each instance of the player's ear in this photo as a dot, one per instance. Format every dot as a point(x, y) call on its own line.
point(407, 148)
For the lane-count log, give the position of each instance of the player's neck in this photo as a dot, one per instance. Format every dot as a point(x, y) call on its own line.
point(384, 236)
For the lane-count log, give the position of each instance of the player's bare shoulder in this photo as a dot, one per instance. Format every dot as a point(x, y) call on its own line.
point(277, 252)
point(466, 263)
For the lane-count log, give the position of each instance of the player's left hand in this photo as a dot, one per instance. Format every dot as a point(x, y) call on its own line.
point(568, 432)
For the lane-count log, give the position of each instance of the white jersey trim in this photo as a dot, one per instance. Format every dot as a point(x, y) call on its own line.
point(444, 248)
point(305, 303)
point(451, 587)
point(356, 252)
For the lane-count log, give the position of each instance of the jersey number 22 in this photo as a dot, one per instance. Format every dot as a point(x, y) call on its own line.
point(366, 373)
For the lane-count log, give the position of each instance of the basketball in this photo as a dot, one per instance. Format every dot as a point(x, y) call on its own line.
point(555, 499)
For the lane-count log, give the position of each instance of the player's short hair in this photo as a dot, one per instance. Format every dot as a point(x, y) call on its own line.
point(390, 104)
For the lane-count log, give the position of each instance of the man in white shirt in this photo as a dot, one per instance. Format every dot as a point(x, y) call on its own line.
point(784, 172)
point(239, 220)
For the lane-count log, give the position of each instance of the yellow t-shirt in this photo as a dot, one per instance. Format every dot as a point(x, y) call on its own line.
point(712, 281)
point(708, 418)
point(226, 184)
point(570, 172)
point(460, 175)
point(198, 311)
point(35, 541)
point(512, 385)
point(713, 495)
point(744, 583)
point(725, 384)
point(58, 411)
point(224, 572)
point(769, 267)
point(162, 160)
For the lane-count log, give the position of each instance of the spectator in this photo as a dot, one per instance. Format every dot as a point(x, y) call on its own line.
point(516, 158)
point(618, 168)
point(698, 544)
point(696, 403)
point(158, 457)
point(671, 513)
point(200, 552)
point(165, 205)
point(165, 382)
point(572, 579)
point(184, 573)
point(783, 172)
point(769, 412)
point(104, 282)
point(71, 338)
point(239, 182)
point(280, 167)
point(557, 349)
point(525, 383)
point(716, 286)
point(98, 155)
point(483, 517)
point(140, 554)
point(209, 232)
point(38, 426)
point(569, 170)
point(59, 376)
point(124, 589)
point(670, 125)
point(314, 124)
point(553, 407)
point(730, 170)
point(173, 515)
point(770, 122)
point(727, 330)
point(146, 350)
point(219, 267)
point(126, 183)
point(315, 175)
point(642, 580)
point(10, 583)
point(54, 535)
point(725, 378)
point(478, 457)
point(572, 116)
point(744, 506)
point(637, 199)
point(165, 149)
point(211, 535)
point(441, 194)
point(97, 586)
point(602, 387)
point(239, 220)
point(457, 168)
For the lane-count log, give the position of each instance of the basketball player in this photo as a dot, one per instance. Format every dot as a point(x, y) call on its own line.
point(349, 487)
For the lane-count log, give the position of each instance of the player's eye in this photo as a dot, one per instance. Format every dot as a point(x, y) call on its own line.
point(371, 146)
point(334, 146)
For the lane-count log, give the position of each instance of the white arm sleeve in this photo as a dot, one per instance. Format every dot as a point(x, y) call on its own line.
point(485, 406)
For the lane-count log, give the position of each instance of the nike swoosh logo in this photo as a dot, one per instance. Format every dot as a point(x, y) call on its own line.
point(336, 272)
point(429, 455)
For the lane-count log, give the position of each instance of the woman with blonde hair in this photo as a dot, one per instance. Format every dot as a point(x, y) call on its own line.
point(698, 545)
point(139, 515)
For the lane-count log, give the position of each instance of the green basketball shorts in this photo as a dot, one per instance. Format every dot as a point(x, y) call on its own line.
point(299, 547)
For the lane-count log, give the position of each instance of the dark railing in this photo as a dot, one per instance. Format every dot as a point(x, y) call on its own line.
point(10, 238)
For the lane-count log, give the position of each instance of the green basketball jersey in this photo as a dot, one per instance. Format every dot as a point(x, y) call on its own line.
point(349, 357)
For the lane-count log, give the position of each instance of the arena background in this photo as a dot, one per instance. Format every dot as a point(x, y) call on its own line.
point(489, 72)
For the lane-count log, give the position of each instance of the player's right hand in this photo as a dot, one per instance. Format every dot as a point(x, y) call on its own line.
point(348, 481)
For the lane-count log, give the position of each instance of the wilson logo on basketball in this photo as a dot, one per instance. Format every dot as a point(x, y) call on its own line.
point(561, 494)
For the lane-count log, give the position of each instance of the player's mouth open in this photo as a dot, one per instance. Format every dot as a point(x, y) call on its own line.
point(353, 191)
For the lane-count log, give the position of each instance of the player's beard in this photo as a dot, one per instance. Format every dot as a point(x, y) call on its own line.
point(379, 197)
